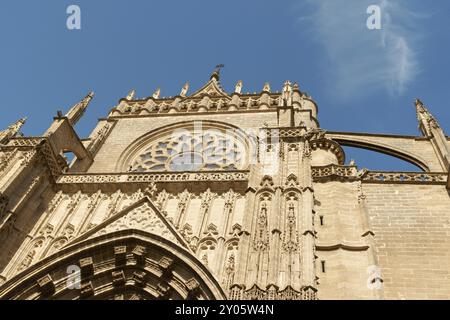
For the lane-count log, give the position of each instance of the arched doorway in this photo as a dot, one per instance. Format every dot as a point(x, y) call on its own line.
point(127, 264)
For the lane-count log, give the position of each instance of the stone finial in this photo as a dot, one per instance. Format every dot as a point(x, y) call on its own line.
point(238, 88)
point(296, 87)
point(266, 87)
point(131, 95)
point(287, 88)
point(151, 190)
point(216, 73)
point(12, 130)
point(184, 90)
point(76, 112)
point(156, 93)
point(417, 101)
point(426, 120)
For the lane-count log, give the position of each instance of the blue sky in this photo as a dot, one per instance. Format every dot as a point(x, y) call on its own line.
point(363, 80)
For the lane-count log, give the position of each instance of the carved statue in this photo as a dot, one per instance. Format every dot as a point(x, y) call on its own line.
point(184, 90)
point(287, 88)
point(131, 95)
point(238, 88)
point(156, 93)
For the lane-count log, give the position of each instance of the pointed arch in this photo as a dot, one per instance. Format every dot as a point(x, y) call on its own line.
point(118, 263)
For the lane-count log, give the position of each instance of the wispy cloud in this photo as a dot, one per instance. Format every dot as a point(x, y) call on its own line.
point(357, 59)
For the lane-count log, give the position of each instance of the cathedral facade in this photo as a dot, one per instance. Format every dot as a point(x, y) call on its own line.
point(212, 195)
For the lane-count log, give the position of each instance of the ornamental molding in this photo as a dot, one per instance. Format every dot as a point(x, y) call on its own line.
point(350, 173)
point(405, 177)
point(142, 215)
point(272, 292)
point(132, 178)
point(334, 172)
point(30, 145)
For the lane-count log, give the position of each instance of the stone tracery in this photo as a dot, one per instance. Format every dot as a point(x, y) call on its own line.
point(184, 150)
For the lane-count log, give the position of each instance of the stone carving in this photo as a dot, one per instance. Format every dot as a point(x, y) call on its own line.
point(141, 218)
point(32, 254)
point(99, 138)
point(190, 151)
point(152, 177)
point(156, 93)
point(290, 241)
point(114, 203)
point(404, 177)
point(261, 240)
point(131, 95)
point(334, 172)
point(287, 90)
point(211, 230)
point(271, 293)
point(257, 234)
point(238, 88)
point(185, 89)
point(12, 131)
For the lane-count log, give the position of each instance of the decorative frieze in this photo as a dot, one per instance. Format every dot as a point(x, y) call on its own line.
point(153, 177)
point(350, 173)
point(330, 172)
point(271, 293)
point(404, 177)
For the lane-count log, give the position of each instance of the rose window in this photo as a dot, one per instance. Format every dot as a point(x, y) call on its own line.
point(183, 150)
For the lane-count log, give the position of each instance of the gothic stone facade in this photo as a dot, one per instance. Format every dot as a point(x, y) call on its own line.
point(132, 218)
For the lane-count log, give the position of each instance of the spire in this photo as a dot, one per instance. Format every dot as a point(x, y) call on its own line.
point(12, 130)
point(77, 111)
point(426, 120)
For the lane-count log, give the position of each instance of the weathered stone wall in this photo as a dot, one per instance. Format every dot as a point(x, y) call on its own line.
point(412, 236)
point(342, 252)
point(209, 221)
point(127, 130)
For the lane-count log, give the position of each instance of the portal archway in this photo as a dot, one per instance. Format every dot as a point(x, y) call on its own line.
point(127, 264)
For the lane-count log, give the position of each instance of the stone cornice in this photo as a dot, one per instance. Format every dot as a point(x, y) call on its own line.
point(350, 173)
point(132, 179)
point(405, 177)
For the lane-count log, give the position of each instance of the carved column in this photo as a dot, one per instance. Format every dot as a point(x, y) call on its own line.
point(245, 236)
point(308, 233)
point(274, 257)
point(183, 199)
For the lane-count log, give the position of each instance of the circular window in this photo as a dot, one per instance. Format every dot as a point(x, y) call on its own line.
point(184, 150)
